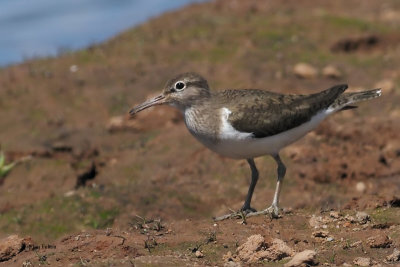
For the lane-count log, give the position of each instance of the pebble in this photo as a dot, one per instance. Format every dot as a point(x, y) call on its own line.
point(321, 233)
point(305, 257)
point(360, 261)
point(361, 187)
point(362, 217)
point(331, 72)
point(199, 254)
point(395, 256)
point(334, 214)
point(305, 71)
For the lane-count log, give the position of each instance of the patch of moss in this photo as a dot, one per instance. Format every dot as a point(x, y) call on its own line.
point(55, 217)
point(386, 215)
point(348, 22)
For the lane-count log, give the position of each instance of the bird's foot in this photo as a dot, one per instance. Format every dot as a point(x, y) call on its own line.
point(247, 209)
point(240, 214)
point(272, 211)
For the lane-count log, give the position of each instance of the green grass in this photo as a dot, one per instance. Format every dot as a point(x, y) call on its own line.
point(349, 22)
point(57, 216)
point(5, 168)
point(386, 215)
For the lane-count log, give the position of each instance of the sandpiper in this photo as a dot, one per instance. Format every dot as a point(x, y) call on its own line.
point(249, 123)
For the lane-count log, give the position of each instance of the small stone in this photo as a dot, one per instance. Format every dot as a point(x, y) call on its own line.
point(314, 222)
point(390, 15)
point(379, 241)
point(256, 249)
point(305, 257)
point(305, 71)
point(355, 244)
point(361, 187)
point(334, 214)
point(73, 68)
point(232, 264)
point(395, 256)
point(360, 261)
point(350, 218)
point(69, 193)
point(321, 234)
point(199, 254)
point(362, 217)
point(346, 264)
point(330, 239)
point(331, 72)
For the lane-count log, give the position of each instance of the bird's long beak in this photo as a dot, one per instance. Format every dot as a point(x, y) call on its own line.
point(158, 100)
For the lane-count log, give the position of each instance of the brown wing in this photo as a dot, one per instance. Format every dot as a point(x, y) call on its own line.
point(265, 113)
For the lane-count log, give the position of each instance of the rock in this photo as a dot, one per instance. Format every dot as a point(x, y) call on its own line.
point(314, 222)
point(395, 256)
point(320, 221)
point(305, 71)
point(321, 233)
point(361, 187)
point(11, 246)
point(199, 254)
point(350, 218)
point(73, 68)
point(331, 72)
point(386, 85)
point(334, 214)
point(379, 241)
point(305, 257)
point(360, 261)
point(256, 249)
point(232, 264)
point(362, 217)
point(390, 15)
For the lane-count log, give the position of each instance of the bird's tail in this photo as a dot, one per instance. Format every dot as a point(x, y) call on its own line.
point(346, 100)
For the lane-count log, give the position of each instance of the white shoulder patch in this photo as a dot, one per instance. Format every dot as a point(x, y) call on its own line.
point(226, 131)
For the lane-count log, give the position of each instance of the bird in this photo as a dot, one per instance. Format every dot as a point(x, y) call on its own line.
point(250, 123)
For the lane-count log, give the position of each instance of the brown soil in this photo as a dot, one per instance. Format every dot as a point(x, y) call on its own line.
point(92, 173)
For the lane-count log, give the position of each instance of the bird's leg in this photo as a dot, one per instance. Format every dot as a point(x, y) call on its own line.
point(246, 208)
point(273, 210)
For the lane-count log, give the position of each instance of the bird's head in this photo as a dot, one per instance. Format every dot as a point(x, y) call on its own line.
point(182, 92)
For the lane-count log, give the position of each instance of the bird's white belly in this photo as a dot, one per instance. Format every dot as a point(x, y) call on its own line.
point(239, 145)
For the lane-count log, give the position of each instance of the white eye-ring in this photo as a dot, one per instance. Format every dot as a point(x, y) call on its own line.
point(179, 86)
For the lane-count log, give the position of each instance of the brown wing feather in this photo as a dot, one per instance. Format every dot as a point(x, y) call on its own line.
point(266, 113)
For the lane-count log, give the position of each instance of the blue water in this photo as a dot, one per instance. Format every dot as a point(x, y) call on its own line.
point(37, 28)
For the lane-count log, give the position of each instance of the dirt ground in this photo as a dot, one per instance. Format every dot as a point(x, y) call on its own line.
point(92, 188)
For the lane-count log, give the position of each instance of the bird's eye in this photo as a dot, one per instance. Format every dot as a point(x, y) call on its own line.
point(180, 85)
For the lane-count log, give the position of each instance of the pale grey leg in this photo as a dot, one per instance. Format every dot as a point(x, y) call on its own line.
point(274, 208)
point(254, 178)
point(281, 174)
